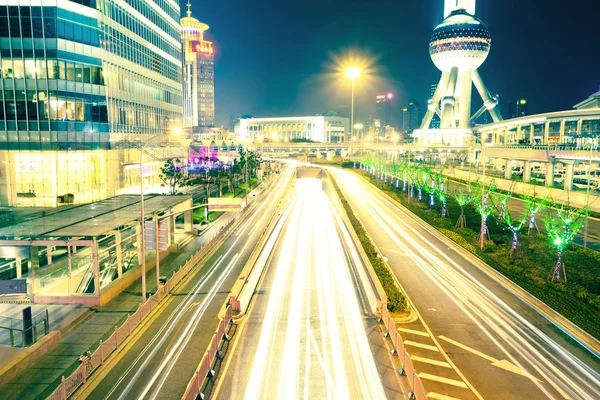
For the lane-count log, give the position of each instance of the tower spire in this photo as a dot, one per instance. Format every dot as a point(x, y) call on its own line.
point(189, 11)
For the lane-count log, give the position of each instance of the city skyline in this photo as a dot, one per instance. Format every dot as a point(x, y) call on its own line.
point(268, 76)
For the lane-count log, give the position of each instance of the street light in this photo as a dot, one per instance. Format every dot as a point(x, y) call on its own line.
point(176, 132)
point(359, 127)
point(353, 73)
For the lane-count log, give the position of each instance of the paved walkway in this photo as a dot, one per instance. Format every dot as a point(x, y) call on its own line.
point(46, 373)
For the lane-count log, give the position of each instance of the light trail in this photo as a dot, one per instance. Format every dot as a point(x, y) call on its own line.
point(521, 341)
point(150, 351)
point(313, 310)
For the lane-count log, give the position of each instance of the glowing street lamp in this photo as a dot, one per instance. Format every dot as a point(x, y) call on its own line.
point(353, 73)
point(359, 127)
point(175, 132)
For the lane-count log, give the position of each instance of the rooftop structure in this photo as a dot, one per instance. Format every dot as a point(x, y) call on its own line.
point(77, 254)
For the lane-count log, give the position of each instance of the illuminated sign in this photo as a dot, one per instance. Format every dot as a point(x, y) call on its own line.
point(199, 46)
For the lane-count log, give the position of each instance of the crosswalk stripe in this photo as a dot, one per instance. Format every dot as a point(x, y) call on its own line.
point(441, 379)
point(437, 396)
point(430, 361)
point(420, 333)
point(421, 345)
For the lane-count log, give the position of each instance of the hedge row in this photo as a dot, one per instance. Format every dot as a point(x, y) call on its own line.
point(578, 301)
point(396, 299)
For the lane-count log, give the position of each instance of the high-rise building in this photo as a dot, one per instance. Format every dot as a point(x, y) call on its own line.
point(82, 84)
point(435, 120)
point(412, 116)
point(199, 74)
point(384, 110)
point(517, 108)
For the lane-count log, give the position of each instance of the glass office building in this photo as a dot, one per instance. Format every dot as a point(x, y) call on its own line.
point(82, 84)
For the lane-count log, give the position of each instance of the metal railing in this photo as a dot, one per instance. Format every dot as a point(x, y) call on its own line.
point(417, 391)
point(15, 332)
point(89, 364)
point(204, 370)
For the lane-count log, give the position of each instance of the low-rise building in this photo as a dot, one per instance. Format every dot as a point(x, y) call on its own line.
point(320, 128)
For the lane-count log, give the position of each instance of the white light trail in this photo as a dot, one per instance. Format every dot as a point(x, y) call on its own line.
point(313, 308)
point(502, 325)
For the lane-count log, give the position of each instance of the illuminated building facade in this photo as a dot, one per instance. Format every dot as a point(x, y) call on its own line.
point(199, 75)
point(82, 85)
point(412, 116)
point(383, 110)
point(321, 129)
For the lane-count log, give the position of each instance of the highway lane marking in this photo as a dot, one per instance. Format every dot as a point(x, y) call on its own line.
point(421, 345)
point(430, 361)
point(441, 379)
point(414, 332)
point(503, 364)
point(500, 364)
point(454, 367)
point(437, 396)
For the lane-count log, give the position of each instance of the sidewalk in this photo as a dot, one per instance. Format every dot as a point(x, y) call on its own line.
point(45, 374)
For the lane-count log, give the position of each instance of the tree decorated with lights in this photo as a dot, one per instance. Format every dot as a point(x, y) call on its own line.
point(441, 190)
point(463, 196)
point(562, 225)
point(504, 215)
point(484, 206)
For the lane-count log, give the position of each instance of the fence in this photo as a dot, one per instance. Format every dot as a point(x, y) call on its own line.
point(204, 370)
point(88, 364)
point(417, 391)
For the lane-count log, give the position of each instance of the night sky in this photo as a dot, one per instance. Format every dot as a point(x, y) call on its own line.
point(276, 57)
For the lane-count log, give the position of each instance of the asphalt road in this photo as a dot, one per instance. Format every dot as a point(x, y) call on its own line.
point(309, 331)
point(474, 339)
point(162, 358)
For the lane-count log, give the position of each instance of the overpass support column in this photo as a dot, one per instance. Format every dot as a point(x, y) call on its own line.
point(550, 174)
point(508, 169)
point(527, 171)
point(569, 167)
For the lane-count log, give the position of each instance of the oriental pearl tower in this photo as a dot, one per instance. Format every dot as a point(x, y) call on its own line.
point(458, 47)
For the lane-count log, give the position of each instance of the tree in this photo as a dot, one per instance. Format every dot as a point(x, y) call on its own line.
point(504, 215)
point(174, 175)
point(562, 225)
point(484, 207)
point(463, 196)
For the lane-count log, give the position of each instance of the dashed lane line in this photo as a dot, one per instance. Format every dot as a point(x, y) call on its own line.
point(430, 361)
point(441, 379)
point(421, 345)
point(437, 396)
point(414, 332)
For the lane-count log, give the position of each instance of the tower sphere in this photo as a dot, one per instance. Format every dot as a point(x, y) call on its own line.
point(461, 40)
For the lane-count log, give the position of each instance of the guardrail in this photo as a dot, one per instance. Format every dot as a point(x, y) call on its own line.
point(92, 361)
point(204, 370)
point(105, 348)
point(417, 391)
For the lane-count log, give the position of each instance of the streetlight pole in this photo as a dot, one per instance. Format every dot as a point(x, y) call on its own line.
point(352, 73)
point(587, 202)
point(482, 234)
point(143, 216)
